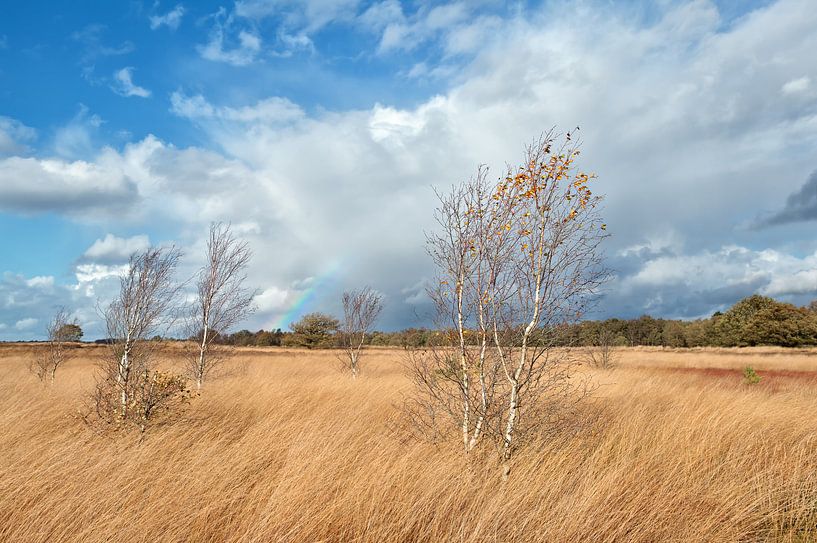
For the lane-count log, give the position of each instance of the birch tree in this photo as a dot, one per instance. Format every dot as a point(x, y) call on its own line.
point(360, 311)
point(555, 271)
point(60, 332)
point(442, 374)
point(517, 260)
point(222, 299)
point(143, 308)
point(458, 379)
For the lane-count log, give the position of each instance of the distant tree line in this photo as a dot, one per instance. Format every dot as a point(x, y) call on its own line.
point(756, 320)
point(328, 338)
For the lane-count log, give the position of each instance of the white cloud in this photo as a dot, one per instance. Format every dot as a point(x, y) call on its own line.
point(388, 122)
point(396, 35)
point(467, 38)
point(147, 180)
point(94, 48)
point(14, 136)
point(668, 241)
point(191, 107)
point(728, 265)
point(93, 273)
point(796, 86)
point(380, 14)
point(272, 110)
point(77, 138)
point(36, 185)
point(455, 24)
point(272, 300)
point(25, 324)
point(800, 278)
point(115, 249)
point(311, 15)
point(417, 293)
point(46, 281)
point(242, 53)
point(171, 19)
point(293, 43)
point(124, 85)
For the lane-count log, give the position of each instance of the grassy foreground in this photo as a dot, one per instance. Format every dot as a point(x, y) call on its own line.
point(285, 448)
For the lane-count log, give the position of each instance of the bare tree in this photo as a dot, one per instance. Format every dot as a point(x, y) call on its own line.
point(442, 374)
point(458, 377)
point(47, 362)
point(360, 311)
point(144, 308)
point(221, 300)
point(517, 261)
point(601, 353)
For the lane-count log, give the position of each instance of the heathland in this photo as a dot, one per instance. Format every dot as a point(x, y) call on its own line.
point(284, 447)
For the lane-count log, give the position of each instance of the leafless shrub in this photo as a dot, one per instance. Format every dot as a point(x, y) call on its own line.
point(221, 300)
point(601, 354)
point(360, 311)
point(47, 362)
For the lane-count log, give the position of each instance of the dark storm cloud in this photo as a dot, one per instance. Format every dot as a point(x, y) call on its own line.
point(800, 206)
point(675, 301)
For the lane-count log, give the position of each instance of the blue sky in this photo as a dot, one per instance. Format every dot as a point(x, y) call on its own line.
point(319, 127)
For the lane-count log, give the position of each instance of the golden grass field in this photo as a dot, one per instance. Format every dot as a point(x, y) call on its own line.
point(286, 448)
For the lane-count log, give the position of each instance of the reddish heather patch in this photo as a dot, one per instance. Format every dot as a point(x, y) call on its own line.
point(772, 379)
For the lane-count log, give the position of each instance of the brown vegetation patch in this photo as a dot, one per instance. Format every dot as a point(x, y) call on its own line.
point(769, 378)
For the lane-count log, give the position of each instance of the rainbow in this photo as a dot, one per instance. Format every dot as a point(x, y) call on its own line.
point(305, 299)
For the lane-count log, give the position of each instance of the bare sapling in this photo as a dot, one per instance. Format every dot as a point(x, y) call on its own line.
point(360, 311)
point(47, 362)
point(456, 378)
point(601, 352)
point(221, 300)
point(443, 373)
point(144, 307)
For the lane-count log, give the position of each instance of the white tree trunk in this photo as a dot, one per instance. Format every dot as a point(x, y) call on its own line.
point(122, 378)
point(202, 359)
point(483, 391)
point(466, 399)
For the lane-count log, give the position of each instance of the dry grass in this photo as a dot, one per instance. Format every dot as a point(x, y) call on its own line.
point(287, 449)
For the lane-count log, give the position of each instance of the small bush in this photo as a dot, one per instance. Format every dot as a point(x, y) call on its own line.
point(750, 376)
point(153, 397)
